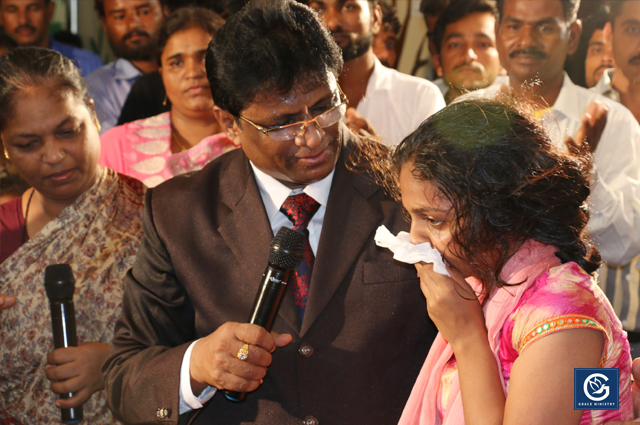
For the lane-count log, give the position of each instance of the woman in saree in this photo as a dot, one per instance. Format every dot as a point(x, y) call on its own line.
point(76, 212)
point(188, 137)
point(484, 185)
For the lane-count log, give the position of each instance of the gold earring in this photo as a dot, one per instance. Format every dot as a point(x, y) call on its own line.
point(164, 102)
point(98, 126)
point(6, 154)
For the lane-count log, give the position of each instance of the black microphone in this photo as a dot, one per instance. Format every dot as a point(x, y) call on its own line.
point(60, 285)
point(285, 254)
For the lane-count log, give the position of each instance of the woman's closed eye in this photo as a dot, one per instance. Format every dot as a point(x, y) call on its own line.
point(68, 133)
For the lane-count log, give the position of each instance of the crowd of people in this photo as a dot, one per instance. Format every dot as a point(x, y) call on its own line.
point(162, 177)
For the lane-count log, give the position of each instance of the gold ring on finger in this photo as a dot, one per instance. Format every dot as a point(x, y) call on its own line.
point(243, 353)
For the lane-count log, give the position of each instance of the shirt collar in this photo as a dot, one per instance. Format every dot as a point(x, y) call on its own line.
point(125, 70)
point(274, 193)
point(378, 79)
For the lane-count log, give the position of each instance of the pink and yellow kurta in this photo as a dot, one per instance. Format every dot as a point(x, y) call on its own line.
point(553, 297)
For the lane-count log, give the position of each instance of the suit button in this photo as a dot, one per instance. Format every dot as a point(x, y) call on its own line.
point(310, 420)
point(306, 350)
point(163, 413)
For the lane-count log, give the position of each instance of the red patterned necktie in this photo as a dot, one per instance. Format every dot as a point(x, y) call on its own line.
point(299, 209)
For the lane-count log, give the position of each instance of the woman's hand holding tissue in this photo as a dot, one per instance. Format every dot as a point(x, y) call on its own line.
point(452, 305)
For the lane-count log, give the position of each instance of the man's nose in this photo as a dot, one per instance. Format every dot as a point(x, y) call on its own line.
point(470, 55)
point(133, 21)
point(311, 135)
point(23, 17)
point(607, 58)
point(528, 37)
point(331, 19)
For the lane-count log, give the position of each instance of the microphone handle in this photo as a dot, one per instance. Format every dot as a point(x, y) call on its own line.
point(265, 307)
point(63, 322)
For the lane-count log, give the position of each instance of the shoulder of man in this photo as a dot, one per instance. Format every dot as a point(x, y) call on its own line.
point(218, 182)
point(97, 76)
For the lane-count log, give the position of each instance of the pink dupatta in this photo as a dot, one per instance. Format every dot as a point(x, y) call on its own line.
point(527, 264)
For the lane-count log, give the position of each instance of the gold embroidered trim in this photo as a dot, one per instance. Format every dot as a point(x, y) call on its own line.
point(560, 323)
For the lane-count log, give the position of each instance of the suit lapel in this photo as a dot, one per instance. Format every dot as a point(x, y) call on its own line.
point(349, 224)
point(247, 231)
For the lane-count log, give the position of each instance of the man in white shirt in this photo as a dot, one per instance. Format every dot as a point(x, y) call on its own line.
point(534, 38)
point(130, 26)
point(393, 103)
point(350, 341)
point(622, 83)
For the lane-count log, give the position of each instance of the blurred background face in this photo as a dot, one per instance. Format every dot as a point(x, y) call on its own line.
point(352, 24)
point(53, 142)
point(183, 72)
point(533, 39)
point(599, 58)
point(384, 46)
point(468, 55)
point(626, 40)
point(27, 21)
point(130, 26)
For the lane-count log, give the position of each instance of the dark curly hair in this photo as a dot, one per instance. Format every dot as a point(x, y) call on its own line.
point(507, 183)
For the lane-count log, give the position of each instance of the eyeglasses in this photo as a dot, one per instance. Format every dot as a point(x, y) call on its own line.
point(328, 118)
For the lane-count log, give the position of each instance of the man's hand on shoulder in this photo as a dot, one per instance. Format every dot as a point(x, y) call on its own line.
point(215, 362)
point(360, 125)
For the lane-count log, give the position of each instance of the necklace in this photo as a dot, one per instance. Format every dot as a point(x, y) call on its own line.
point(26, 214)
point(180, 143)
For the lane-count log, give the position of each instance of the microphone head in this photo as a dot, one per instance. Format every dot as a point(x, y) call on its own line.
point(286, 248)
point(59, 282)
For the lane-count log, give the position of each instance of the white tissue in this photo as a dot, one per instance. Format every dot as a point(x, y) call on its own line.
point(406, 252)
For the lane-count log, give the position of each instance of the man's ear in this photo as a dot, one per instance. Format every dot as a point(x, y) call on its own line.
point(228, 123)
point(376, 20)
point(437, 65)
point(574, 36)
point(607, 31)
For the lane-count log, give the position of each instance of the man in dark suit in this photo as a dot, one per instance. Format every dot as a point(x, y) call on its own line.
point(351, 343)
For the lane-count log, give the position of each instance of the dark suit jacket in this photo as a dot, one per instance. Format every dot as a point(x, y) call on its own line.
point(205, 248)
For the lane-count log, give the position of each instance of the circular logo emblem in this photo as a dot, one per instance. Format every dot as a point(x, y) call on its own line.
point(595, 388)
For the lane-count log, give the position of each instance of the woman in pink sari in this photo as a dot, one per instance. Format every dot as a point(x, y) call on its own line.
point(485, 186)
point(188, 137)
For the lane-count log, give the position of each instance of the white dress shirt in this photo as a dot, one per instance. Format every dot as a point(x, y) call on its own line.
point(273, 194)
point(397, 103)
point(614, 223)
